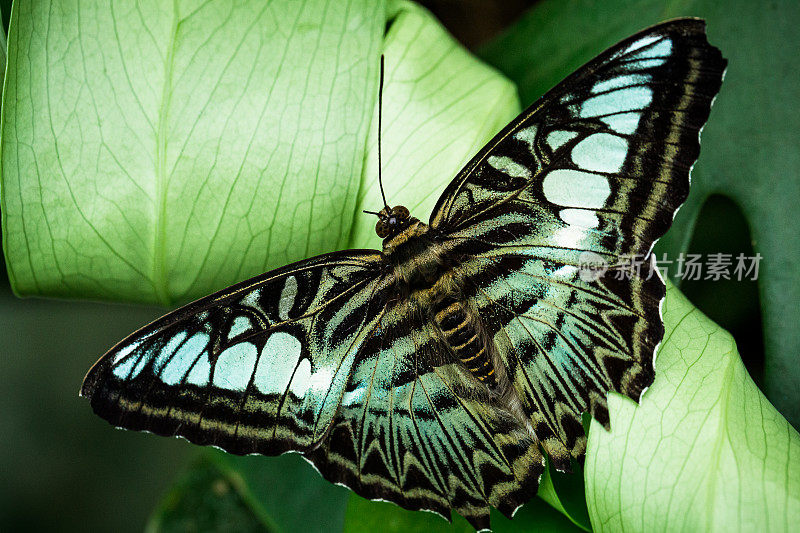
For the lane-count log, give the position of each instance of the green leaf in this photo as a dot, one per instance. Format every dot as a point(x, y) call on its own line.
point(565, 493)
point(364, 515)
point(746, 154)
point(704, 451)
point(3, 53)
point(293, 493)
point(157, 151)
point(226, 143)
point(280, 494)
point(209, 497)
point(440, 106)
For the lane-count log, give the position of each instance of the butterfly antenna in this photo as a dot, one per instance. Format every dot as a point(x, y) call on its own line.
point(380, 113)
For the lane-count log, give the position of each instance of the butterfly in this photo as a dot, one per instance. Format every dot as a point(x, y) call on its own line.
point(438, 372)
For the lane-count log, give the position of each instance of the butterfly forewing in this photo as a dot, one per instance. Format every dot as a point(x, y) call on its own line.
point(595, 169)
point(257, 368)
point(607, 151)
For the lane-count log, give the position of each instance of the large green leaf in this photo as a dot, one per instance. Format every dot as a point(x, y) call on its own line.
point(746, 153)
point(440, 107)
point(225, 143)
point(534, 517)
point(154, 151)
point(185, 143)
point(704, 451)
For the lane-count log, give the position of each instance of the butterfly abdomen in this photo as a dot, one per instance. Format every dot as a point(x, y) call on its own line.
point(463, 335)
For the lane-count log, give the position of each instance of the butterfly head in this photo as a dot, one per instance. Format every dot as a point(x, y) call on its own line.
point(392, 221)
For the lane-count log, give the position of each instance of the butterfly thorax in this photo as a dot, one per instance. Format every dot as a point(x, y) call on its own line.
point(426, 278)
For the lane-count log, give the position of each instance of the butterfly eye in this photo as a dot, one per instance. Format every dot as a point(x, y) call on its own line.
point(382, 229)
point(401, 212)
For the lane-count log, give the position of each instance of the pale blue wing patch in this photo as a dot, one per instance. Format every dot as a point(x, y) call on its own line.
point(240, 326)
point(558, 138)
point(619, 82)
point(601, 152)
point(288, 295)
point(574, 188)
point(186, 355)
point(279, 359)
point(508, 166)
point(235, 366)
point(623, 123)
point(528, 135)
point(166, 352)
point(301, 378)
point(584, 218)
point(625, 99)
point(200, 371)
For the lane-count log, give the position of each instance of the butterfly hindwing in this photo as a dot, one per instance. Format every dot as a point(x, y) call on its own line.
point(416, 429)
point(257, 368)
point(596, 169)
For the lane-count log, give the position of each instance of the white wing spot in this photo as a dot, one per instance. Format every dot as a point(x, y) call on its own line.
point(168, 350)
point(573, 188)
point(558, 138)
point(642, 43)
point(619, 82)
point(583, 218)
point(321, 380)
point(183, 359)
point(125, 351)
point(601, 152)
point(626, 99)
point(240, 325)
point(123, 371)
point(661, 50)
point(508, 166)
point(200, 371)
point(353, 397)
point(251, 299)
point(288, 295)
point(528, 135)
point(278, 360)
point(301, 379)
point(235, 366)
point(624, 123)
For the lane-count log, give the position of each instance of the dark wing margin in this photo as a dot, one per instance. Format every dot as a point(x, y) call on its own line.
point(259, 367)
point(591, 174)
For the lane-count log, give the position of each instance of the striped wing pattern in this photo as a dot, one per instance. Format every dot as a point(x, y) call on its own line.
point(316, 358)
point(598, 166)
point(332, 358)
point(418, 430)
point(259, 367)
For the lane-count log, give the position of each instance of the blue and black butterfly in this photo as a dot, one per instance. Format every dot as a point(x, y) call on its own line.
point(438, 372)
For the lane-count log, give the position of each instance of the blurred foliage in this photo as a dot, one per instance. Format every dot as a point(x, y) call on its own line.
point(210, 496)
point(533, 517)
